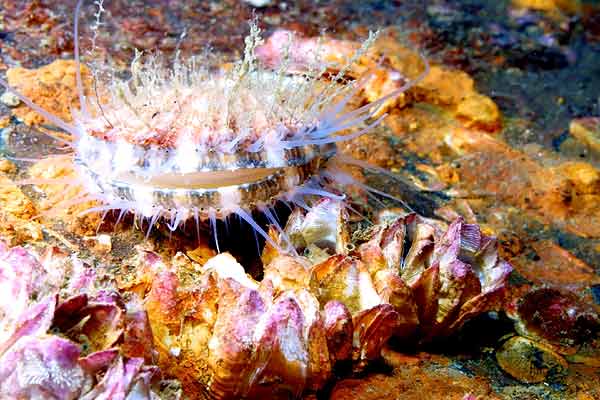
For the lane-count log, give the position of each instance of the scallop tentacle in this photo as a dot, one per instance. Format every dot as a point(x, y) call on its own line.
point(346, 179)
point(307, 190)
point(330, 123)
point(332, 139)
point(212, 215)
point(257, 228)
point(49, 116)
point(82, 100)
point(153, 221)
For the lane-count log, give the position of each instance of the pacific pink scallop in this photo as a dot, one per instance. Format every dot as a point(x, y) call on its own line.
point(186, 141)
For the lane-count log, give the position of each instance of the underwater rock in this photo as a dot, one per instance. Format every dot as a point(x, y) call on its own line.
point(6, 166)
point(52, 87)
point(489, 164)
point(416, 380)
point(16, 224)
point(65, 197)
point(16, 218)
point(551, 264)
point(14, 201)
point(480, 112)
point(553, 7)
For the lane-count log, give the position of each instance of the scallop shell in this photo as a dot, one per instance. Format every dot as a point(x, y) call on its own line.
point(557, 318)
point(529, 361)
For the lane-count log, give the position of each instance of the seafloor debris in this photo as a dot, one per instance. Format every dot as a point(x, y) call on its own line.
point(415, 381)
point(62, 336)
point(529, 361)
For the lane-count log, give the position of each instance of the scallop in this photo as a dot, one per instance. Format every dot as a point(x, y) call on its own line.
point(529, 361)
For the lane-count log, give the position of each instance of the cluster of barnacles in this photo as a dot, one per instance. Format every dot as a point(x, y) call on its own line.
point(62, 336)
point(339, 303)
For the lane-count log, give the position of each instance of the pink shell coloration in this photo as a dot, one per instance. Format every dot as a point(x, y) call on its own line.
point(61, 339)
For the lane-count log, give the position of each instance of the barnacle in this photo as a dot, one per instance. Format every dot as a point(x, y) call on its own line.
point(67, 346)
point(218, 330)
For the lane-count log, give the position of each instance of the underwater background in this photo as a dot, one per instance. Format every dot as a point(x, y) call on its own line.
point(504, 132)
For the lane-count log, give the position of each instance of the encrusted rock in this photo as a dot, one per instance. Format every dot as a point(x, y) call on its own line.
point(65, 195)
point(6, 166)
point(391, 65)
point(52, 87)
